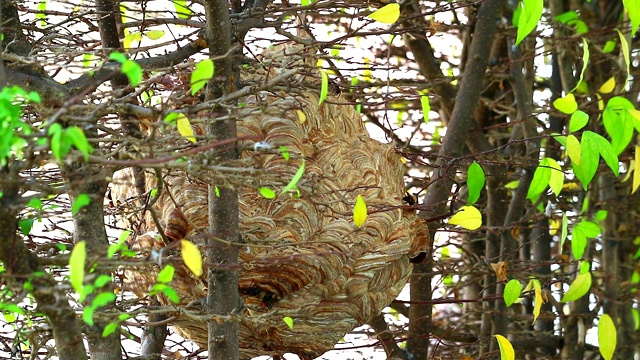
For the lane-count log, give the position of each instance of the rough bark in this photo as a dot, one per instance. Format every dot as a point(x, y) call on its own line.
point(222, 296)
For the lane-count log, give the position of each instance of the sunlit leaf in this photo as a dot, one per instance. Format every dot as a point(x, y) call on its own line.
point(608, 86)
point(589, 159)
point(636, 172)
point(201, 74)
point(567, 104)
point(565, 230)
point(293, 184)
point(512, 292)
point(267, 193)
point(79, 140)
point(625, 53)
point(359, 211)
point(540, 179)
point(183, 11)
point(184, 127)
point(579, 119)
point(81, 201)
point(529, 17)
point(324, 87)
point(387, 14)
point(574, 149)
point(618, 122)
point(475, 182)
point(467, 217)
point(578, 288)
point(585, 61)
point(609, 46)
point(103, 299)
point(584, 267)
point(128, 39)
point(426, 106)
point(633, 9)
point(109, 329)
point(133, 71)
point(154, 34)
point(166, 274)
point(606, 151)
point(191, 256)
point(506, 349)
point(607, 336)
point(76, 266)
point(538, 300)
point(556, 180)
point(289, 321)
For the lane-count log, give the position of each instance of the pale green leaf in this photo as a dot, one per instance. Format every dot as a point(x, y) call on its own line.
point(636, 172)
point(564, 232)
point(556, 180)
point(633, 9)
point(529, 17)
point(606, 151)
point(467, 217)
point(184, 127)
point(292, 185)
point(607, 336)
point(512, 292)
point(585, 61)
point(191, 256)
point(76, 266)
point(625, 53)
point(324, 87)
point(183, 11)
point(475, 182)
point(201, 74)
point(387, 14)
point(579, 119)
point(166, 274)
point(574, 149)
point(506, 349)
point(267, 193)
point(567, 104)
point(359, 211)
point(426, 106)
point(540, 180)
point(154, 34)
point(289, 321)
point(130, 38)
point(578, 288)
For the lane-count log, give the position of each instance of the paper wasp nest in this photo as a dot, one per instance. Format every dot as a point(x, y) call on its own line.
point(311, 263)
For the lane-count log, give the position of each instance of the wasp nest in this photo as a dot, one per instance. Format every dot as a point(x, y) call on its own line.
point(303, 256)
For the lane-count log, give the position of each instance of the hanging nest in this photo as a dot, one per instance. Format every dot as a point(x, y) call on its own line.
point(303, 256)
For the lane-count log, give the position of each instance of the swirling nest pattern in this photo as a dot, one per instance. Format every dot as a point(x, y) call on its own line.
point(312, 263)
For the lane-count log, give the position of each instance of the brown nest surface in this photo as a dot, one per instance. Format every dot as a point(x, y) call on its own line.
point(303, 258)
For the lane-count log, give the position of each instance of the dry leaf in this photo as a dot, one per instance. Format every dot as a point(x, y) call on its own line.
point(500, 269)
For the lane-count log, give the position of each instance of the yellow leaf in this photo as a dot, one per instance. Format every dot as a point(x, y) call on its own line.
point(506, 349)
point(154, 34)
point(574, 149)
point(608, 86)
point(632, 167)
point(136, 36)
point(184, 127)
point(467, 217)
point(359, 211)
point(301, 116)
point(191, 256)
point(554, 225)
point(635, 113)
point(600, 102)
point(387, 14)
point(538, 299)
point(636, 173)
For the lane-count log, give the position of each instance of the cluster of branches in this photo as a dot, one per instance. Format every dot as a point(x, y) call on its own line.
point(443, 68)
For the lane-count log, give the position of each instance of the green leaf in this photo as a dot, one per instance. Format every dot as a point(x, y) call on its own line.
point(79, 140)
point(589, 159)
point(565, 230)
point(324, 87)
point(609, 46)
point(601, 215)
point(293, 184)
point(467, 217)
point(512, 184)
point(506, 349)
point(475, 182)
point(284, 152)
point(102, 280)
point(607, 337)
point(87, 315)
point(171, 294)
point(512, 292)
point(35, 203)
point(636, 318)
point(584, 267)
point(109, 329)
point(201, 74)
point(133, 72)
point(359, 211)
point(633, 9)
point(618, 122)
point(605, 149)
point(267, 193)
point(579, 119)
point(585, 62)
point(289, 321)
point(103, 299)
point(529, 17)
point(578, 288)
point(540, 180)
point(625, 53)
point(183, 11)
point(25, 226)
point(81, 201)
point(76, 266)
point(426, 106)
point(567, 104)
point(166, 275)
point(387, 14)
